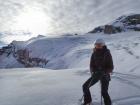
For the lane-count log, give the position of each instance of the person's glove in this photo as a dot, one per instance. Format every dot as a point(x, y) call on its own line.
point(107, 76)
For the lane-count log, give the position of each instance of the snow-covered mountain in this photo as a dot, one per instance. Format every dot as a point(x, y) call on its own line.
point(121, 24)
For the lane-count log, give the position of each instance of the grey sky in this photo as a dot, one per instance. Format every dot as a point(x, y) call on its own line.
point(62, 16)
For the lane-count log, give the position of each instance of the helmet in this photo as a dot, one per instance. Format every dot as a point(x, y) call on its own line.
point(99, 41)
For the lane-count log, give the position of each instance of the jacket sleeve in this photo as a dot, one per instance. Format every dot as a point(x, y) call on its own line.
point(109, 62)
point(92, 63)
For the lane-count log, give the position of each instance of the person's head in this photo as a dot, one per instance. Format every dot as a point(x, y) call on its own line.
point(99, 43)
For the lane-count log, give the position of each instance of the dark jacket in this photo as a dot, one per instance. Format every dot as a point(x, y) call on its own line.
point(101, 60)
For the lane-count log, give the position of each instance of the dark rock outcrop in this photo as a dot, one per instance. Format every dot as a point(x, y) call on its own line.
point(7, 49)
point(22, 56)
point(110, 29)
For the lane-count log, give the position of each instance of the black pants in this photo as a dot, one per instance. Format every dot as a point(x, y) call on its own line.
point(104, 79)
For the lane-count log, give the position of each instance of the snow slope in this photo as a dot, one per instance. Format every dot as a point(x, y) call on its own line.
point(71, 55)
point(49, 87)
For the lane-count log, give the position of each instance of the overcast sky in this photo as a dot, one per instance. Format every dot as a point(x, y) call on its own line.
point(61, 16)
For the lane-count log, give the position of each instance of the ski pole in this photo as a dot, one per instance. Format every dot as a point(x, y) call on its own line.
point(101, 93)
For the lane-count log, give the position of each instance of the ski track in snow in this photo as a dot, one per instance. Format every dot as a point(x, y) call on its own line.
point(128, 79)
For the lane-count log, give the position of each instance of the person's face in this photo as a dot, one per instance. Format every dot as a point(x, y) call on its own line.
point(98, 46)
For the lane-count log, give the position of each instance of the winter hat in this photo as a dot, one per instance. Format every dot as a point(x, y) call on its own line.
point(99, 41)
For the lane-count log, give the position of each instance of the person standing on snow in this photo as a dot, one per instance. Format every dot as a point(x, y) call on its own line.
point(101, 66)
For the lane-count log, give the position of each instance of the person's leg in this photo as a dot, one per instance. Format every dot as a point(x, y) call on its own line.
point(104, 86)
point(90, 82)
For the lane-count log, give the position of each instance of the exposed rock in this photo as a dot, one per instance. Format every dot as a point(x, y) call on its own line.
point(7, 50)
point(109, 29)
point(132, 19)
point(37, 62)
point(22, 56)
point(1, 51)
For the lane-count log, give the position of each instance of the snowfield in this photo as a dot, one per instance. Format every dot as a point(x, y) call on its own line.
point(60, 82)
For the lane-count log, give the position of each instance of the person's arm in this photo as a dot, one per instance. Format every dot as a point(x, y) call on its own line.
point(92, 63)
point(110, 65)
